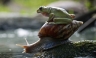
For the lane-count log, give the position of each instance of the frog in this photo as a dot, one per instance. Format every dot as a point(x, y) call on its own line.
point(57, 14)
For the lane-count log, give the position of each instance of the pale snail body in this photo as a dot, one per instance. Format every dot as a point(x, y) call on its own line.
point(52, 35)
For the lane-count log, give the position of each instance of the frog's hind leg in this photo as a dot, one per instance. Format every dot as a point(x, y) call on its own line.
point(62, 20)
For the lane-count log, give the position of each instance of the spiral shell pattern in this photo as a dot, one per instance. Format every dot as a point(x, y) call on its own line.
point(59, 31)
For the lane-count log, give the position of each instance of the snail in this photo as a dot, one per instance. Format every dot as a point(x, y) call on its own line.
point(52, 35)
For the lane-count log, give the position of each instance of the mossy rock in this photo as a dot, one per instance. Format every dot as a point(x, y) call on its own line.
point(70, 50)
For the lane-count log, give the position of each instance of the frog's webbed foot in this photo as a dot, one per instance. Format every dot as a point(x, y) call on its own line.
point(72, 16)
point(51, 17)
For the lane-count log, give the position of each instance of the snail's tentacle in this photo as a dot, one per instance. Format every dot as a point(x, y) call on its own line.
point(23, 46)
point(27, 42)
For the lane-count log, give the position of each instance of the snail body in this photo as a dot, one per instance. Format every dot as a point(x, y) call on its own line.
point(52, 35)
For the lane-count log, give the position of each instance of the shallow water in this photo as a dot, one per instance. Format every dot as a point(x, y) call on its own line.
point(89, 34)
point(9, 39)
point(13, 37)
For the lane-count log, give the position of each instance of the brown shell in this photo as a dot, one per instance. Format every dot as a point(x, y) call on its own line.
point(59, 31)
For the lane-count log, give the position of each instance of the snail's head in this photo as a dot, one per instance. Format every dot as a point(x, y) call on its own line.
point(27, 48)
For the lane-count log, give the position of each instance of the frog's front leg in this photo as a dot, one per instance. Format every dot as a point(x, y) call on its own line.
point(51, 17)
point(61, 21)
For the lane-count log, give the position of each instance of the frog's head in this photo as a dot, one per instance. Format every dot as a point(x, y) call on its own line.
point(44, 10)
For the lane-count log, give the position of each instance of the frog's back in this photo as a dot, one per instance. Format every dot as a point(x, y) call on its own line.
point(59, 12)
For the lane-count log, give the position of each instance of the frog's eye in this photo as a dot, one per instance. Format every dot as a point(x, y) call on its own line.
point(40, 8)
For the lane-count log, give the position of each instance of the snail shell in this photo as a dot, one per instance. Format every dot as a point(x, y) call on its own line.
point(52, 35)
point(59, 31)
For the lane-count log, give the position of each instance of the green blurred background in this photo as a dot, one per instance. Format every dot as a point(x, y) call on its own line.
point(23, 6)
point(30, 6)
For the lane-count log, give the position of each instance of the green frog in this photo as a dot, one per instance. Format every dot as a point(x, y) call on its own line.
point(56, 15)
